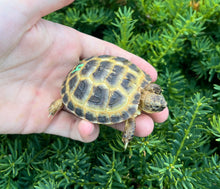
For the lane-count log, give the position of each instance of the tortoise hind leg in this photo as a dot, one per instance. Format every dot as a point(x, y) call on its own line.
point(128, 131)
point(55, 107)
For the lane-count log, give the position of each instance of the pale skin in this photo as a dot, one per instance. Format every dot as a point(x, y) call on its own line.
point(35, 56)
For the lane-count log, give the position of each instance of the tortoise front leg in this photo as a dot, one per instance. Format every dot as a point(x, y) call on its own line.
point(55, 107)
point(128, 131)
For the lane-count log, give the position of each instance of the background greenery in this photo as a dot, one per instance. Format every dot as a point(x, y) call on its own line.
point(182, 40)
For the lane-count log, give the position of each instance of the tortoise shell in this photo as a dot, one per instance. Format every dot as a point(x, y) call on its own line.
point(104, 89)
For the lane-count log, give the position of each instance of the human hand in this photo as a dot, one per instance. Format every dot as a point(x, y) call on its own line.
point(35, 56)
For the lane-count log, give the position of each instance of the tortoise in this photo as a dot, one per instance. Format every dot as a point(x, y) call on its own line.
point(108, 90)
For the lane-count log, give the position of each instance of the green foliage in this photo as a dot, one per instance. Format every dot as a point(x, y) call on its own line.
point(109, 173)
point(217, 87)
point(215, 126)
point(182, 41)
point(125, 24)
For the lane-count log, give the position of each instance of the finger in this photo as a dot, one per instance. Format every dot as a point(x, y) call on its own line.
point(39, 8)
point(67, 125)
point(92, 46)
point(144, 126)
point(160, 117)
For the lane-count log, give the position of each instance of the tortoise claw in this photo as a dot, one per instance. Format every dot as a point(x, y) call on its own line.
point(126, 145)
point(128, 131)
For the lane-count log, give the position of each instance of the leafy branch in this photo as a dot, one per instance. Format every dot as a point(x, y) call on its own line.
point(125, 24)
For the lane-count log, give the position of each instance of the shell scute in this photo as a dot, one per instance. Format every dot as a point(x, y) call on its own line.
point(136, 98)
point(90, 117)
point(72, 82)
point(102, 71)
point(115, 99)
point(103, 119)
point(128, 82)
point(70, 106)
point(89, 67)
point(132, 110)
point(115, 119)
point(125, 115)
point(65, 98)
point(81, 89)
point(115, 75)
point(134, 67)
point(79, 112)
point(99, 97)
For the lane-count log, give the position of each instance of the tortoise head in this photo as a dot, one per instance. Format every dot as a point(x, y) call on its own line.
point(152, 99)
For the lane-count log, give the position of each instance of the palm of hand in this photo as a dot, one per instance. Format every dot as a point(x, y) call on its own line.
point(33, 80)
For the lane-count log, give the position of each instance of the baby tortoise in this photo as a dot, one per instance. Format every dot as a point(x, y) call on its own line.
point(109, 90)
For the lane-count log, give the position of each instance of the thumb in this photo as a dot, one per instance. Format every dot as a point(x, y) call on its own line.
point(40, 8)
